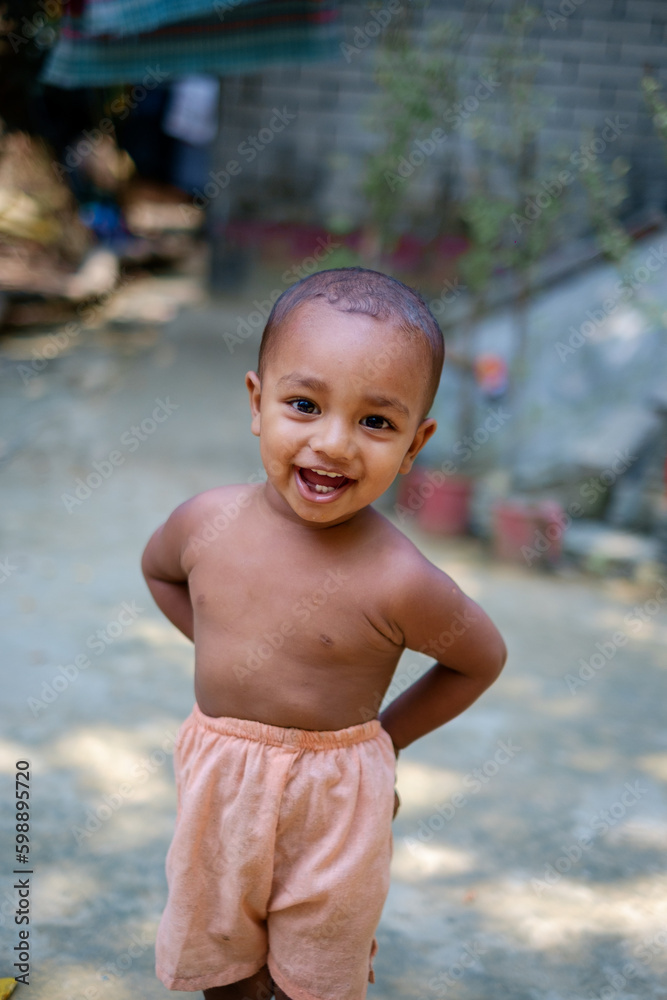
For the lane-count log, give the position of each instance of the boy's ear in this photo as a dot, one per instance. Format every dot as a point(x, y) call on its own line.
point(254, 387)
point(425, 430)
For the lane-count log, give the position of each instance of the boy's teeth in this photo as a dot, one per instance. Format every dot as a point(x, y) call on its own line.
point(324, 489)
point(321, 472)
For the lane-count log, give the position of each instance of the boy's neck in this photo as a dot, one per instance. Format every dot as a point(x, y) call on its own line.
point(277, 507)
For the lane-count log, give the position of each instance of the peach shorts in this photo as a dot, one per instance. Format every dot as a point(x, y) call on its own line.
point(280, 855)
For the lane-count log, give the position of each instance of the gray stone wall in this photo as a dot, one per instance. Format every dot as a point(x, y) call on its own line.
point(594, 52)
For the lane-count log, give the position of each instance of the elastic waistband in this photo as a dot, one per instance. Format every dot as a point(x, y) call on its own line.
point(297, 739)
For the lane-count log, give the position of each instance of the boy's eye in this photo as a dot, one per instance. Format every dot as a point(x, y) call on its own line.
point(303, 405)
point(377, 423)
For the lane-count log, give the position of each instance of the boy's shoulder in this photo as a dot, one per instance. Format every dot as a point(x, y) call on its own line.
point(201, 519)
point(417, 596)
point(412, 573)
point(219, 499)
point(397, 554)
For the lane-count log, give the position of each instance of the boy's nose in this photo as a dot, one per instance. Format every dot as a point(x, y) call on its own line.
point(332, 438)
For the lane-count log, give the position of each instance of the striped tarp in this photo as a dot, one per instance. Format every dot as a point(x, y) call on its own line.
point(132, 17)
point(234, 38)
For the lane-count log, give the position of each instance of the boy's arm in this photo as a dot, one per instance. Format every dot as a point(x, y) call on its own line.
point(438, 619)
point(162, 567)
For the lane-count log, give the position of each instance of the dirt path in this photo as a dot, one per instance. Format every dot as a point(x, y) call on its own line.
point(530, 848)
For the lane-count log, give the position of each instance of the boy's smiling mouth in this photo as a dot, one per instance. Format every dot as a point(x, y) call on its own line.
point(320, 484)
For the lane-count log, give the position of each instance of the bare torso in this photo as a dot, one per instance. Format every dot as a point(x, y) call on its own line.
point(292, 625)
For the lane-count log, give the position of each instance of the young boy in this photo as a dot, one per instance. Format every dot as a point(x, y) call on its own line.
point(299, 609)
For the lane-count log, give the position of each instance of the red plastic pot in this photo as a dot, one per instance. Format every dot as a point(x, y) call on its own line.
point(440, 503)
point(528, 532)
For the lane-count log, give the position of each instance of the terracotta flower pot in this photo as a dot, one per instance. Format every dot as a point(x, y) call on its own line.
point(440, 503)
point(528, 532)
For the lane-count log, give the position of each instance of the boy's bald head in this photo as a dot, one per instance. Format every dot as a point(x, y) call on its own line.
point(360, 290)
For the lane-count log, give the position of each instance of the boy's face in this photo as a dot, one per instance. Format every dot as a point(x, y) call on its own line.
point(343, 394)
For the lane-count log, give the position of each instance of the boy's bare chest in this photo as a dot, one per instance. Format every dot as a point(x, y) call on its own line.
point(328, 597)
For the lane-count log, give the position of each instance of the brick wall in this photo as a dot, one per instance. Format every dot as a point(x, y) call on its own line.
point(594, 52)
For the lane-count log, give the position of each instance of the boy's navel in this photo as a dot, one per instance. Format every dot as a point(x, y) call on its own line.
point(327, 640)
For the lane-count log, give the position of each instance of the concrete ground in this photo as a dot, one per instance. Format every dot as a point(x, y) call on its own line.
point(529, 856)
